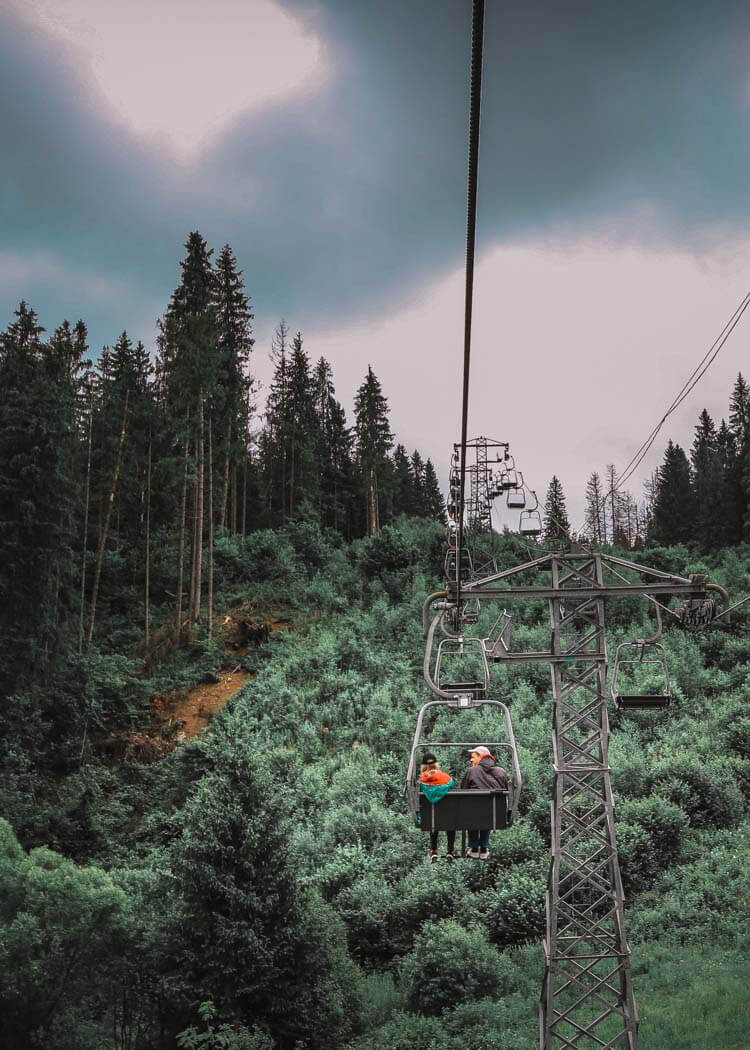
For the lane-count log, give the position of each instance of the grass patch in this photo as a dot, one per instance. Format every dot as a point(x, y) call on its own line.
point(692, 997)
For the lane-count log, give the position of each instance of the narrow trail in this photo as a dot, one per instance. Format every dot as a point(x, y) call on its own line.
point(197, 707)
point(183, 714)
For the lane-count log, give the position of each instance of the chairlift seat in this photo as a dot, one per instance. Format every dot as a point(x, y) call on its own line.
point(634, 702)
point(466, 810)
point(516, 499)
point(473, 689)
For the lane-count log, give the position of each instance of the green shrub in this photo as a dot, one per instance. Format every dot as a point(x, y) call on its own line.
point(703, 787)
point(738, 736)
point(450, 965)
point(513, 910)
point(650, 834)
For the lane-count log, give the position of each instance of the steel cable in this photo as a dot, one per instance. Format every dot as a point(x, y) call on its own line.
point(687, 387)
point(475, 98)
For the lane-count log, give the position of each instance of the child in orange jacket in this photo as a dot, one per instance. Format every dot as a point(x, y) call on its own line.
point(436, 783)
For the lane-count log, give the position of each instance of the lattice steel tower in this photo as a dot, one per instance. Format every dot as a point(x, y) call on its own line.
point(587, 996)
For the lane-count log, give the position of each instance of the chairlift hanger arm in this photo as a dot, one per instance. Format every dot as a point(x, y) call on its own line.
point(434, 597)
point(426, 670)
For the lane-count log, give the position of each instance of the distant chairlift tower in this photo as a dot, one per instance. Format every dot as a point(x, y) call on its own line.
point(485, 483)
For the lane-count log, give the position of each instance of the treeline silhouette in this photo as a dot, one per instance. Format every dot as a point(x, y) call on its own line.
point(111, 471)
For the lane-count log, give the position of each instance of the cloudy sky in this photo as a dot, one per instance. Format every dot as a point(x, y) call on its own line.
point(326, 141)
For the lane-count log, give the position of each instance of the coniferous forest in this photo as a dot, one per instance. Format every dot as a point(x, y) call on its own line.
point(210, 667)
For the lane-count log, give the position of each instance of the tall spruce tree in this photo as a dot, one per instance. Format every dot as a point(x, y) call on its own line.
point(230, 403)
point(333, 452)
point(556, 524)
point(673, 511)
point(403, 482)
point(37, 492)
point(275, 439)
point(434, 501)
point(189, 373)
point(710, 488)
point(374, 440)
point(246, 934)
point(596, 528)
point(303, 481)
point(737, 469)
point(417, 472)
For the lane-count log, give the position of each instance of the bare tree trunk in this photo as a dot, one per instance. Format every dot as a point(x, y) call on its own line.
point(225, 491)
point(291, 485)
point(198, 580)
point(85, 535)
point(181, 554)
point(234, 499)
point(373, 522)
point(210, 530)
point(147, 594)
point(244, 495)
point(107, 517)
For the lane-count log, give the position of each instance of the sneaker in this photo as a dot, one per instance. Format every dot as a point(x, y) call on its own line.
point(473, 853)
point(433, 856)
point(449, 857)
point(484, 854)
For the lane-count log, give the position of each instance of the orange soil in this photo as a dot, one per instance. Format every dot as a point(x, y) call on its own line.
point(197, 707)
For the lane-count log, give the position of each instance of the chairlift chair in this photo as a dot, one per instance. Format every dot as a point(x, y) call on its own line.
point(451, 651)
point(516, 499)
point(465, 810)
point(645, 652)
point(530, 523)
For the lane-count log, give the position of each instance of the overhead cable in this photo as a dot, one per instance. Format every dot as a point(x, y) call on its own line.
point(475, 98)
point(688, 386)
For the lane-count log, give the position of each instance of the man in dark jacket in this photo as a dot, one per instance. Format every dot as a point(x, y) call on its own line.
point(484, 775)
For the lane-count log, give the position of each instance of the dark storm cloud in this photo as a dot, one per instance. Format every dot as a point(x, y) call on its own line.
point(348, 198)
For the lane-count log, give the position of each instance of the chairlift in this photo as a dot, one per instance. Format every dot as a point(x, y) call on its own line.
point(530, 523)
point(452, 651)
point(643, 652)
point(465, 810)
point(451, 561)
point(516, 498)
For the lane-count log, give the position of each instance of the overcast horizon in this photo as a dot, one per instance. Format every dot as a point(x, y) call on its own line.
point(326, 142)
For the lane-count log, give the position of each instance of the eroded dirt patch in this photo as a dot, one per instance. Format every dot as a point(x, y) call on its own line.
point(190, 712)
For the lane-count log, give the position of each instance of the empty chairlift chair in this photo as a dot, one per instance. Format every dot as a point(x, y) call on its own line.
point(640, 653)
point(516, 498)
point(648, 652)
point(466, 655)
point(530, 522)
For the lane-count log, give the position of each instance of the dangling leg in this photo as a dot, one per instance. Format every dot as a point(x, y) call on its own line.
point(433, 847)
